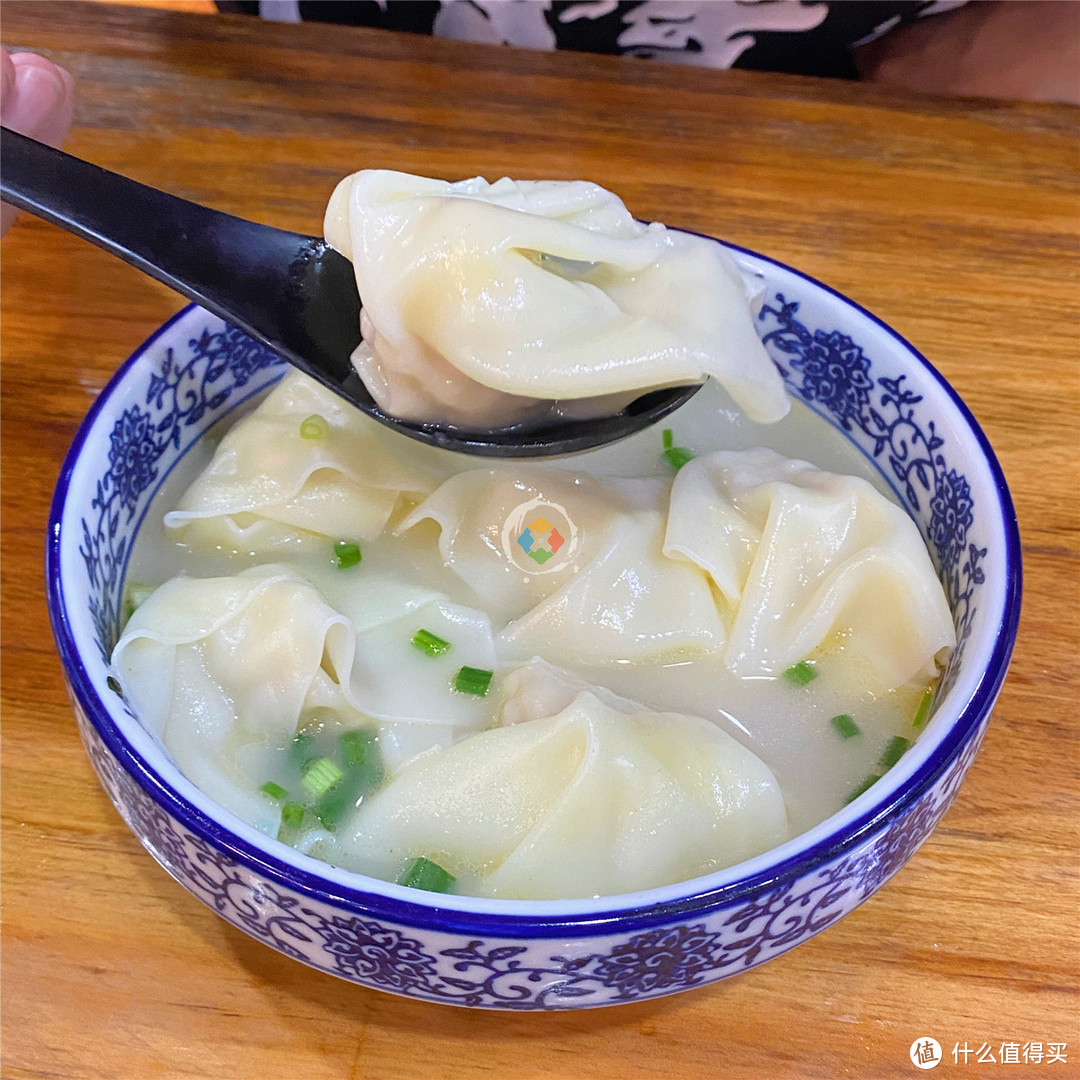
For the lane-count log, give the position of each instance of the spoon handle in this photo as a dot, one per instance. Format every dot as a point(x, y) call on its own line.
point(256, 277)
point(291, 292)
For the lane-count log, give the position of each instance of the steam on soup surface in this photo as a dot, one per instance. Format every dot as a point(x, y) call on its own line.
point(531, 680)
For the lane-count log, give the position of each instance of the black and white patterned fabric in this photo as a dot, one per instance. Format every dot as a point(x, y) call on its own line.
point(803, 37)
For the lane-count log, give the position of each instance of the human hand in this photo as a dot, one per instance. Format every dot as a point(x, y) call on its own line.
point(36, 99)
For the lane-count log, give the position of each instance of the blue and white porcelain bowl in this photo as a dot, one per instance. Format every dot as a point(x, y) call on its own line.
point(846, 365)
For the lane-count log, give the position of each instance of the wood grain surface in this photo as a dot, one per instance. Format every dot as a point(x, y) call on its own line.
point(955, 221)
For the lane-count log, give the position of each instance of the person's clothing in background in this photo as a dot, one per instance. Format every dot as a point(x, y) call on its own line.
point(801, 38)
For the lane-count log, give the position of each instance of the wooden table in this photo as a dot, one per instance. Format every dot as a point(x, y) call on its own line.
point(956, 221)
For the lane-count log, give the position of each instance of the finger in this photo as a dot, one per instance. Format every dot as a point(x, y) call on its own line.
point(37, 99)
point(7, 86)
point(40, 100)
point(7, 76)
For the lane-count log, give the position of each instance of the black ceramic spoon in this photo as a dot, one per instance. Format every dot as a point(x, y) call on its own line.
point(293, 293)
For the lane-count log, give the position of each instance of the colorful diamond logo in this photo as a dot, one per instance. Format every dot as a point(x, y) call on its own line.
point(540, 540)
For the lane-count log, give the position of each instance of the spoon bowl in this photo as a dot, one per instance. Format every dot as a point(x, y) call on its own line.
point(292, 292)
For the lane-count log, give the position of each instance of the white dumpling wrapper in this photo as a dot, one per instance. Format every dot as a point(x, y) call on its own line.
point(589, 801)
point(800, 556)
point(471, 510)
point(537, 689)
point(396, 680)
point(209, 663)
point(268, 488)
point(212, 664)
point(615, 598)
point(629, 603)
point(479, 299)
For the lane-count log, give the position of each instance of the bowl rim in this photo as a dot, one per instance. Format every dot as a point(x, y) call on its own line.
point(506, 918)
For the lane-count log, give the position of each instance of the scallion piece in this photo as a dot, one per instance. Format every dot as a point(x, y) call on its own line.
point(894, 751)
point(321, 776)
point(675, 456)
point(845, 726)
point(922, 713)
point(314, 427)
point(363, 773)
point(136, 596)
point(275, 791)
point(292, 816)
point(359, 749)
point(139, 594)
point(470, 680)
point(866, 785)
point(344, 797)
point(302, 750)
point(427, 875)
point(678, 456)
point(354, 747)
point(801, 673)
point(347, 554)
point(114, 686)
point(338, 801)
point(430, 643)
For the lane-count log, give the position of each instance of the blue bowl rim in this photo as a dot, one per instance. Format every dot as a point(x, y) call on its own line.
point(429, 915)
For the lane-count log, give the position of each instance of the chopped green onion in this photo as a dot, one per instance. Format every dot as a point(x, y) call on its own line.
point(321, 776)
point(893, 752)
point(347, 554)
point(302, 750)
point(358, 748)
point(470, 680)
point(866, 785)
point(427, 875)
point(364, 773)
point(677, 456)
point(801, 673)
point(314, 427)
point(922, 713)
point(139, 594)
point(345, 796)
point(845, 726)
point(339, 800)
point(275, 791)
point(430, 643)
point(135, 596)
point(114, 686)
point(292, 816)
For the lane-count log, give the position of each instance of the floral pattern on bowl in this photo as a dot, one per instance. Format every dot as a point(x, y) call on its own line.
point(841, 361)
